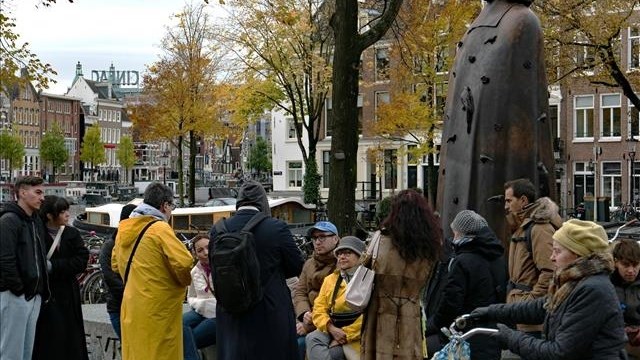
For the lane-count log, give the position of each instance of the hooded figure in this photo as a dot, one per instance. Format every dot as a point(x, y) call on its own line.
point(268, 330)
point(496, 126)
point(477, 277)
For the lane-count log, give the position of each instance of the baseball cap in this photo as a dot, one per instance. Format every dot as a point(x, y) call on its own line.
point(323, 226)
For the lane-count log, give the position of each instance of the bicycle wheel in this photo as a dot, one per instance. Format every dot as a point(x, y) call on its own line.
point(94, 291)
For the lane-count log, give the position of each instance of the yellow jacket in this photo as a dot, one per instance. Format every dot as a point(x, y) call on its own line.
point(151, 313)
point(323, 302)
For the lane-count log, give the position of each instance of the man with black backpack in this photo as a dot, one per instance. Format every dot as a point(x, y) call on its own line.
point(251, 254)
point(532, 222)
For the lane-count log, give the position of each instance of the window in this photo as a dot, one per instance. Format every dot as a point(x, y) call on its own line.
point(360, 113)
point(612, 182)
point(634, 48)
point(326, 159)
point(328, 115)
point(583, 117)
point(291, 128)
point(553, 117)
point(585, 55)
point(582, 182)
point(610, 115)
point(294, 173)
point(633, 120)
point(390, 169)
point(382, 64)
point(382, 97)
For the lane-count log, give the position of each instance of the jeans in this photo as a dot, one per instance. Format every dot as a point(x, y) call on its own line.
point(115, 323)
point(18, 318)
point(318, 347)
point(198, 332)
point(302, 348)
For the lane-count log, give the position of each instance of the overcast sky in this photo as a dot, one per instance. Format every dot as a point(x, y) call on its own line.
point(94, 32)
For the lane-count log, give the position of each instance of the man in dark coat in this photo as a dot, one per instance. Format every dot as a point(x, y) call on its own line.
point(268, 330)
point(477, 277)
point(495, 125)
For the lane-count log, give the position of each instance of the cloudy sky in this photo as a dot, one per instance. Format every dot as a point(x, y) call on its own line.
point(97, 33)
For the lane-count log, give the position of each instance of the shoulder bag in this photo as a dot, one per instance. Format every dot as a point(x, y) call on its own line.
point(360, 287)
point(56, 242)
point(344, 318)
point(135, 247)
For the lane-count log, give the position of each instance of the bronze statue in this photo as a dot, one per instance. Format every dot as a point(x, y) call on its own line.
point(496, 126)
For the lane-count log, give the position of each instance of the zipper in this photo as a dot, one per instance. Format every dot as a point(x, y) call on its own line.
point(36, 245)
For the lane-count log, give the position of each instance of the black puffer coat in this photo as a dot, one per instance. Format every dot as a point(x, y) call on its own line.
point(586, 325)
point(477, 277)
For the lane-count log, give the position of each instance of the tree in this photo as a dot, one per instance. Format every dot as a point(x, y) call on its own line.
point(259, 159)
point(180, 90)
point(15, 56)
point(53, 149)
point(92, 151)
point(126, 155)
point(426, 33)
point(287, 43)
point(349, 45)
point(582, 39)
point(12, 150)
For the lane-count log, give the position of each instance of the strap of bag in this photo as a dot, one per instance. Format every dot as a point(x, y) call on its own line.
point(335, 292)
point(374, 247)
point(135, 247)
point(56, 242)
point(255, 220)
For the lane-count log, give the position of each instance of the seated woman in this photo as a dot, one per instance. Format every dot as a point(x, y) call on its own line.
point(581, 313)
point(337, 334)
point(626, 254)
point(199, 324)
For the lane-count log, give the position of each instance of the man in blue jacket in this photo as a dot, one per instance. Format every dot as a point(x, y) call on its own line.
point(23, 269)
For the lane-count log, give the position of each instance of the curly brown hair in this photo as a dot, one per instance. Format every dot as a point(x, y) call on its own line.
point(414, 229)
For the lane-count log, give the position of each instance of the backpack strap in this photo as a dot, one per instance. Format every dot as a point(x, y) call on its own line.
point(528, 227)
point(255, 220)
point(135, 247)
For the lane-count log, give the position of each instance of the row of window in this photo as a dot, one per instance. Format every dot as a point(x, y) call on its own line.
point(30, 139)
point(110, 115)
point(61, 107)
point(610, 117)
point(24, 116)
point(610, 181)
point(110, 135)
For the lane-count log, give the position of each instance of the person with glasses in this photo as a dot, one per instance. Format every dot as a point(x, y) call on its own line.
point(322, 263)
point(154, 285)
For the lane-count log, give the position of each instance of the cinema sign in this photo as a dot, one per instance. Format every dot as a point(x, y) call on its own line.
point(128, 77)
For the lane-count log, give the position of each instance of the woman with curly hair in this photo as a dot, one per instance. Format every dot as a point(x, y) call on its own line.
point(410, 244)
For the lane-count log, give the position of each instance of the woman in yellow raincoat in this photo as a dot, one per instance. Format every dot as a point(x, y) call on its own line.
point(151, 313)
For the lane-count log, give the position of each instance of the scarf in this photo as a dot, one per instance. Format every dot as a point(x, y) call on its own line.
point(146, 209)
point(565, 280)
point(207, 272)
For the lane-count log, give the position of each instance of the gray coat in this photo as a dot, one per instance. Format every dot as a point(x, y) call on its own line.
point(587, 325)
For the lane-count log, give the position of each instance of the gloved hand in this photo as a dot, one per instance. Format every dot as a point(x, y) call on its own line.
point(481, 314)
point(503, 334)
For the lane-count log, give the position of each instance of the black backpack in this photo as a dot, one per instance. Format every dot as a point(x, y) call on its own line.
point(235, 269)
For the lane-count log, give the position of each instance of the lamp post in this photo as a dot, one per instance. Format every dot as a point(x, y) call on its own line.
point(163, 160)
point(632, 157)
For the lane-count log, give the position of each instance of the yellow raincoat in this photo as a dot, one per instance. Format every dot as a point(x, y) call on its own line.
point(151, 313)
point(321, 310)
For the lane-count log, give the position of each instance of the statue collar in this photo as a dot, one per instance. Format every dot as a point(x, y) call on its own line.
point(491, 15)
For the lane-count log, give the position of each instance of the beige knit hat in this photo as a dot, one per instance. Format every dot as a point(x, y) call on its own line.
point(582, 237)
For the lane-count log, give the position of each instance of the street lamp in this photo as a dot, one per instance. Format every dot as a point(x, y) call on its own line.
point(163, 159)
point(631, 153)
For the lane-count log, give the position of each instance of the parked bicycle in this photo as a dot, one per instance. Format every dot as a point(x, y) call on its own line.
point(92, 287)
point(624, 213)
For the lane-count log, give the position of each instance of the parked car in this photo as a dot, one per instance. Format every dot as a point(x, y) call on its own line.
point(221, 201)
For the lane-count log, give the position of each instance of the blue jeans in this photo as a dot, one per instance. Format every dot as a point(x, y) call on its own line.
point(115, 323)
point(18, 318)
point(302, 348)
point(197, 332)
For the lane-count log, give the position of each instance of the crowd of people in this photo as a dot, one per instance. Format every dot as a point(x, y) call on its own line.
point(553, 291)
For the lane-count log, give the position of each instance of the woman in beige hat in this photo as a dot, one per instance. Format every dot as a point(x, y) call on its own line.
point(581, 313)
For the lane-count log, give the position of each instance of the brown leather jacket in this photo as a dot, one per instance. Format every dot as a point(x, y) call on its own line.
point(313, 273)
point(530, 273)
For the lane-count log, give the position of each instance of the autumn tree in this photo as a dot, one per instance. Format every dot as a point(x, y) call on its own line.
point(53, 149)
point(582, 39)
point(349, 45)
point(126, 155)
point(180, 91)
point(425, 33)
point(287, 43)
point(259, 156)
point(11, 150)
point(92, 150)
point(15, 55)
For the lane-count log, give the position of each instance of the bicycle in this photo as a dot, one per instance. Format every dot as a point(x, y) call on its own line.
point(92, 287)
point(458, 347)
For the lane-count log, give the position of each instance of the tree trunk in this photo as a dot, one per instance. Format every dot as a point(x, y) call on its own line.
point(344, 137)
point(180, 172)
point(53, 170)
point(192, 168)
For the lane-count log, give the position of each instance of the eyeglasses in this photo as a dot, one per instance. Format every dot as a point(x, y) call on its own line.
point(171, 205)
point(322, 238)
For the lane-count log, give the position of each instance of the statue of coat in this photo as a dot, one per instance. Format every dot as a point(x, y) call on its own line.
point(496, 127)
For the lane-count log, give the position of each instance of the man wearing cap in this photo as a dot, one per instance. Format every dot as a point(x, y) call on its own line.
point(337, 336)
point(581, 313)
point(477, 277)
point(322, 263)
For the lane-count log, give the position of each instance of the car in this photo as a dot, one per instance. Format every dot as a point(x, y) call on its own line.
point(221, 201)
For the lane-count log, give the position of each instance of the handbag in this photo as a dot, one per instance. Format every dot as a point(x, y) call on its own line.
point(360, 287)
point(341, 319)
